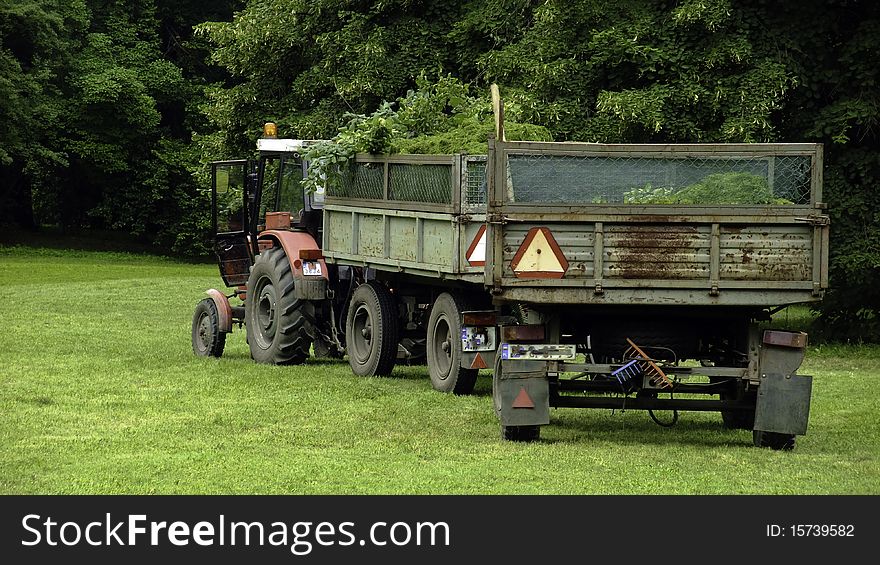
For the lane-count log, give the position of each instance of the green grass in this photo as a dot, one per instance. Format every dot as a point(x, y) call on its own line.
point(100, 393)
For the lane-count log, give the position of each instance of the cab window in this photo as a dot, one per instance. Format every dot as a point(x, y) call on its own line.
point(291, 197)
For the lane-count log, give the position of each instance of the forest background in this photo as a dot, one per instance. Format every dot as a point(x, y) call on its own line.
point(111, 110)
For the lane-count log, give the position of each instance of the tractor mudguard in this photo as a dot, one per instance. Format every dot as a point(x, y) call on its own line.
point(309, 285)
point(224, 310)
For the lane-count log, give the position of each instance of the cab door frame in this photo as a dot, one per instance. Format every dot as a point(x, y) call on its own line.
point(232, 246)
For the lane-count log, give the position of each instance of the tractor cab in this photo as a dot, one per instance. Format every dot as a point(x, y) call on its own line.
point(280, 171)
point(249, 196)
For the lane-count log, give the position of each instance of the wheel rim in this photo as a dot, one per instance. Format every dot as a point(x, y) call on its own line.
point(442, 345)
point(266, 314)
point(203, 333)
point(362, 334)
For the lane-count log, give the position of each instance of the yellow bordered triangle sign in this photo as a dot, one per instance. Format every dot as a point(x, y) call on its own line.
point(539, 256)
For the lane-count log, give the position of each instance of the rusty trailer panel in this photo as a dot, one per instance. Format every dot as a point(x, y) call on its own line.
point(391, 237)
point(771, 253)
point(638, 257)
point(425, 215)
point(633, 252)
point(655, 251)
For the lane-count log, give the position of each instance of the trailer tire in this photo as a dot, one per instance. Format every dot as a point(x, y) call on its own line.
point(773, 440)
point(280, 327)
point(372, 330)
point(510, 433)
point(443, 347)
point(524, 434)
point(207, 339)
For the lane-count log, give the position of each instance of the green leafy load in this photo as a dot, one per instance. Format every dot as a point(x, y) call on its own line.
point(719, 188)
point(437, 118)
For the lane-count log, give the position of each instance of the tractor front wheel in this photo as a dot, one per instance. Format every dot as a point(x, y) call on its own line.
point(207, 339)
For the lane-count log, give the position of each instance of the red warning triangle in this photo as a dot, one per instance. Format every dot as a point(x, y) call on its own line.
point(479, 363)
point(476, 253)
point(523, 400)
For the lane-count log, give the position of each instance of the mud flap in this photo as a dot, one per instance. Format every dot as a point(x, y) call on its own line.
point(477, 359)
point(522, 393)
point(783, 403)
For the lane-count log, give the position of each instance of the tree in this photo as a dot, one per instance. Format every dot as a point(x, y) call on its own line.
point(631, 71)
point(306, 63)
point(100, 117)
point(831, 47)
point(37, 38)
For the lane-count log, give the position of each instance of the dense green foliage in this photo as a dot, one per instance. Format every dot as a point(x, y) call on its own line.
point(98, 102)
point(631, 71)
point(99, 99)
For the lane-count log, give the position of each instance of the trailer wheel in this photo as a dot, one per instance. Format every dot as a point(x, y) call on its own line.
point(521, 433)
point(207, 339)
point(444, 347)
point(372, 330)
point(773, 440)
point(279, 326)
point(510, 433)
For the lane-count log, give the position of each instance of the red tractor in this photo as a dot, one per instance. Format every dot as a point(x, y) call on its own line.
point(268, 233)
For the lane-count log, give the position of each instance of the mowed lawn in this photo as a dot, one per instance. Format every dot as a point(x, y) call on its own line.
point(100, 393)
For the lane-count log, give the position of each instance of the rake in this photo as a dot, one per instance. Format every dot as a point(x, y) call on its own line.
point(649, 368)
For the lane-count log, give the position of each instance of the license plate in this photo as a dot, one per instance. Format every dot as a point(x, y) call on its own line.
point(541, 352)
point(311, 268)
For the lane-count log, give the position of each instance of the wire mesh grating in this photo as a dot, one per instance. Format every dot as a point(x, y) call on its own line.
point(420, 183)
point(475, 183)
point(360, 180)
point(545, 178)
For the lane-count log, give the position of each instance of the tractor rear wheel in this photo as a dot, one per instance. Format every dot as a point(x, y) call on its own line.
point(444, 347)
point(207, 339)
point(280, 327)
point(372, 330)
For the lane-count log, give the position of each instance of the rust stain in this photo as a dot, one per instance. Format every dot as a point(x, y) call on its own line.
point(658, 219)
point(643, 254)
